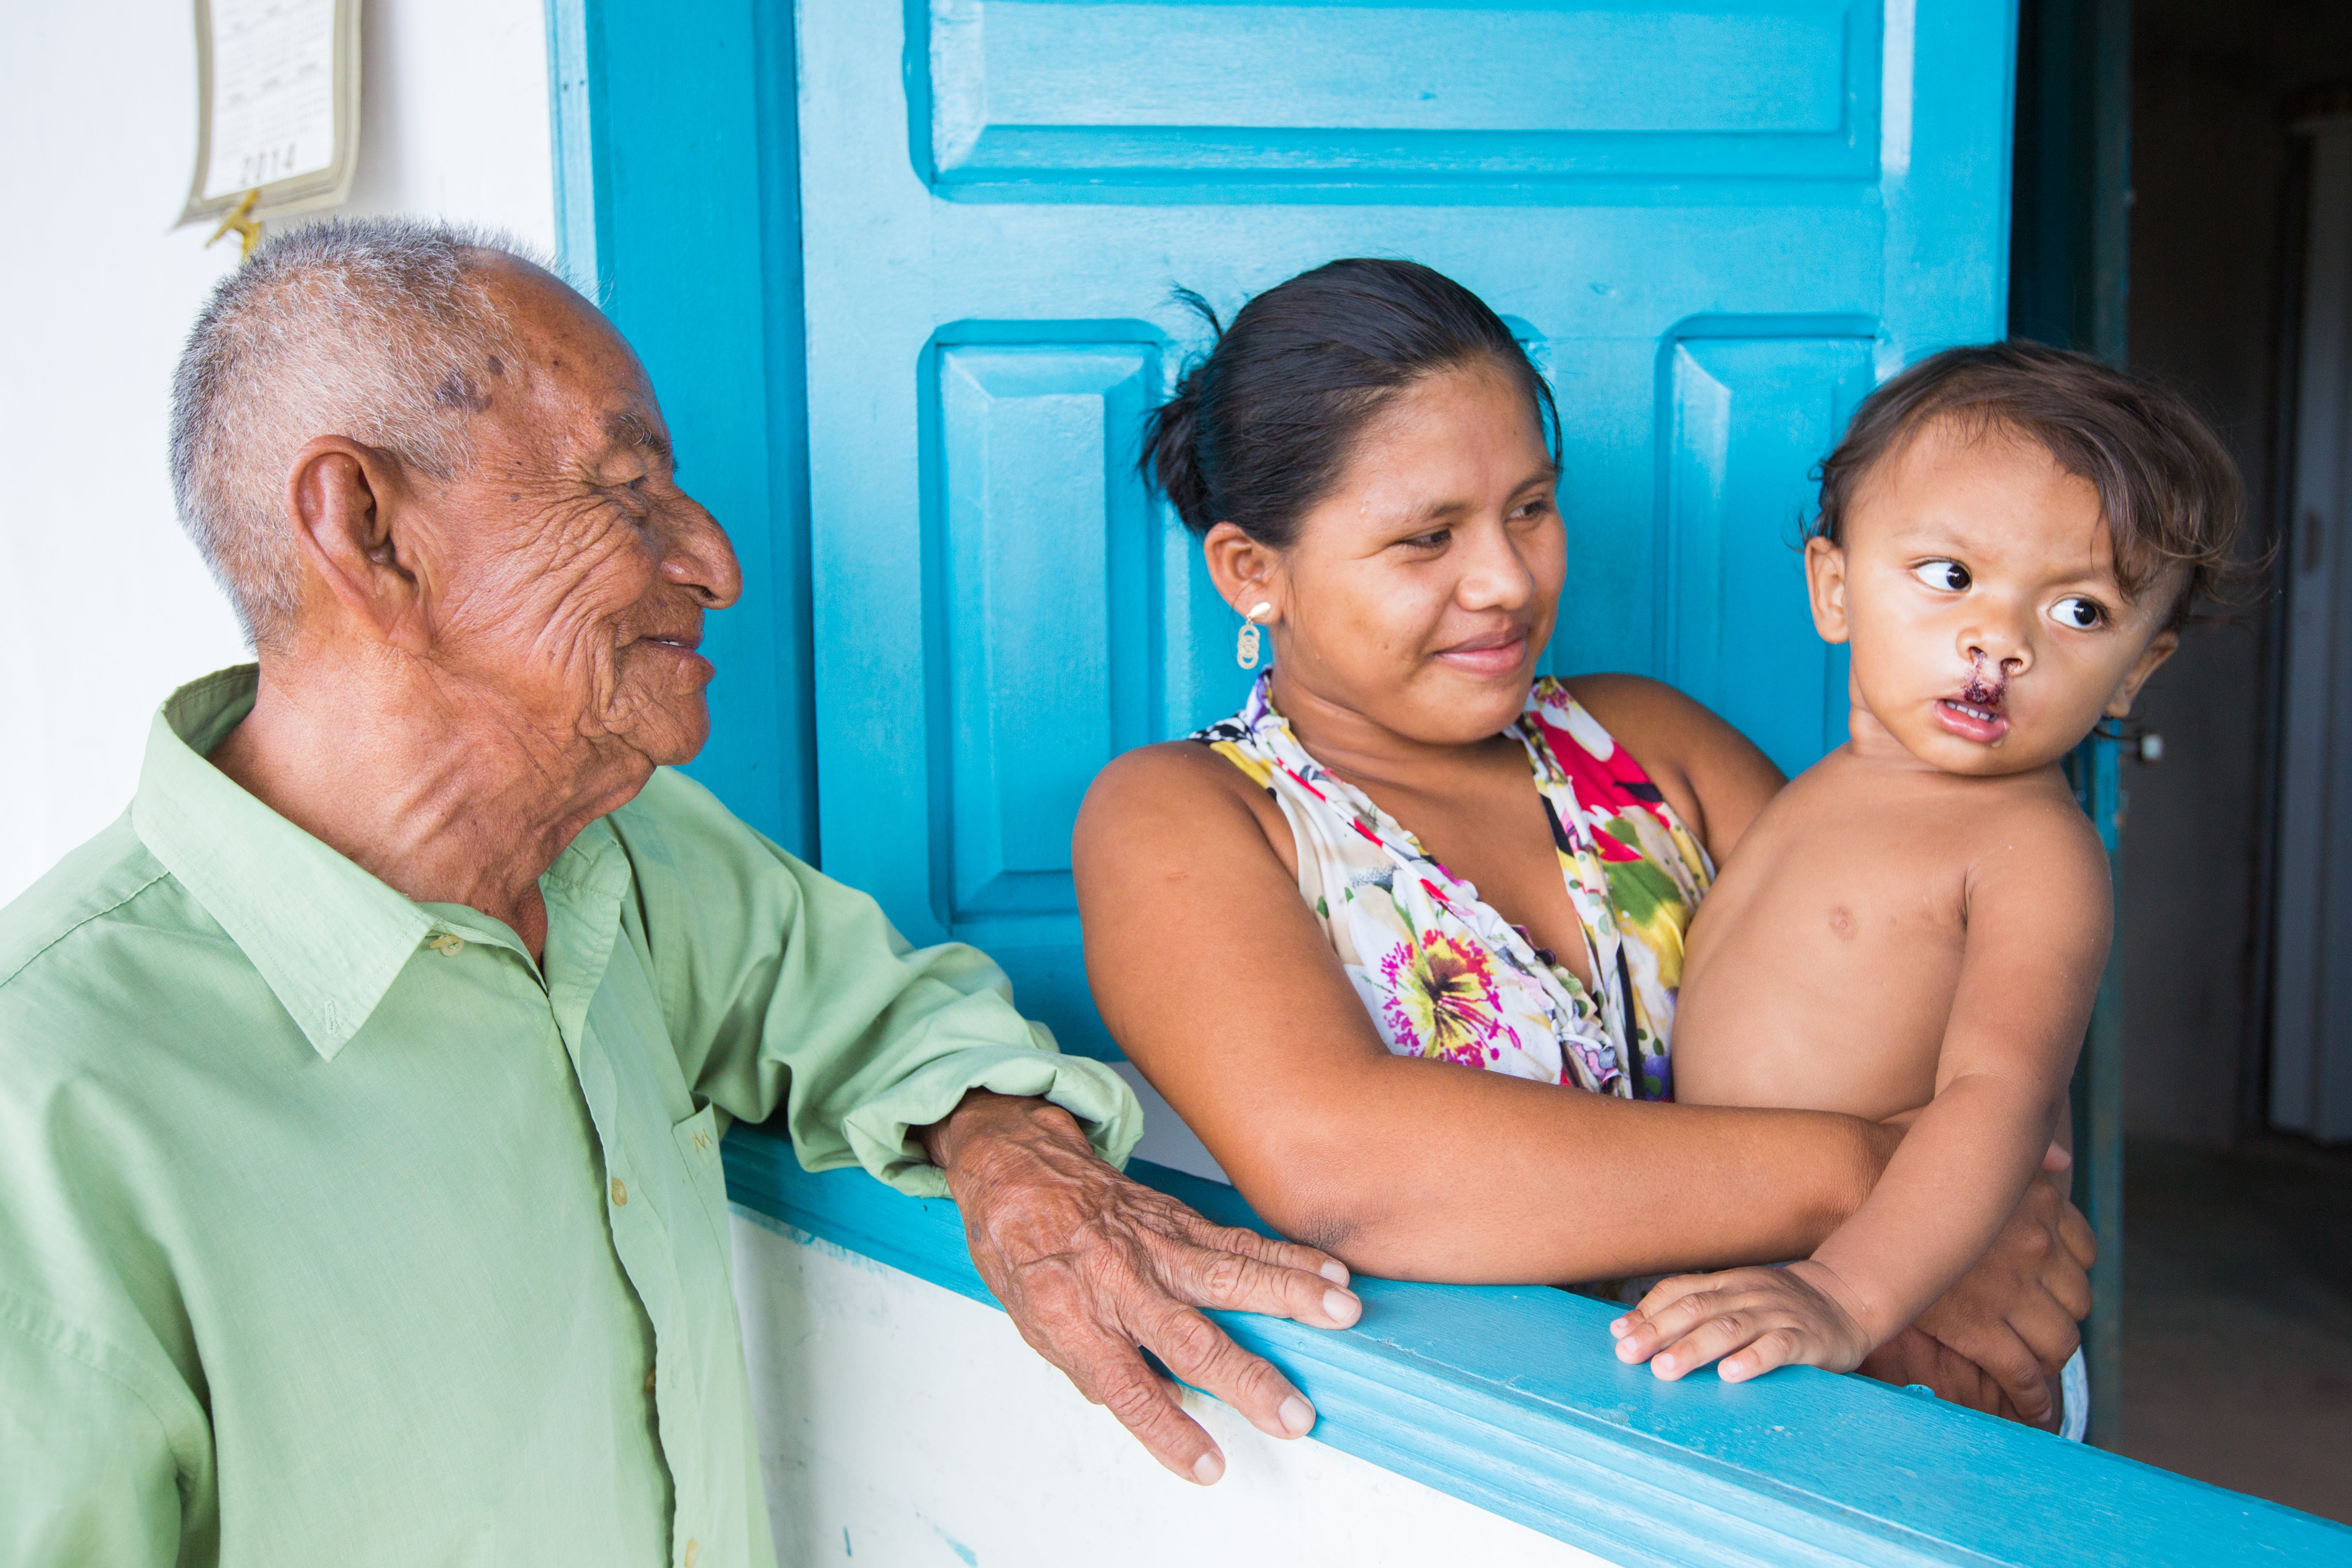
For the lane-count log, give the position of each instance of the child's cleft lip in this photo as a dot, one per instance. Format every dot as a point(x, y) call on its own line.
point(1976, 719)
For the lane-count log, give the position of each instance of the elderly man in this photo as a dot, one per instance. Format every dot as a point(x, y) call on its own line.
point(361, 1088)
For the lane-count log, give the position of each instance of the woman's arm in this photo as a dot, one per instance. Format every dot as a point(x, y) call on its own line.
point(1213, 975)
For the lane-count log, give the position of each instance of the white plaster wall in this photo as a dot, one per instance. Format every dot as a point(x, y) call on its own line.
point(904, 1424)
point(104, 605)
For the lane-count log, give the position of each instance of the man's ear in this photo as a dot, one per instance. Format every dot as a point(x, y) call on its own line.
point(2163, 646)
point(1825, 583)
point(1246, 572)
point(343, 499)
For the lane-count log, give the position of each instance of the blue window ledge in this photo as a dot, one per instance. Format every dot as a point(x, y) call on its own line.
point(1509, 1398)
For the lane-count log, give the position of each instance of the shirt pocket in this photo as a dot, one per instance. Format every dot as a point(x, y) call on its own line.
point(698, 1146)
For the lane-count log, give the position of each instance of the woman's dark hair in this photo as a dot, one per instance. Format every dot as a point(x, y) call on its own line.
point(1262, 424)
point(2169, 492)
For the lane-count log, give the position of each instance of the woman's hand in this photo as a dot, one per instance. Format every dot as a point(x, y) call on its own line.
point(1754, 1319)
point(1090, 1266)
point(2015, 1314)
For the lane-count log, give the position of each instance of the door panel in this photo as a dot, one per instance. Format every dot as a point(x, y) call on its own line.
point(1049, 648)
point(1716, 222)
point(1745, 420)
point(1091, 95)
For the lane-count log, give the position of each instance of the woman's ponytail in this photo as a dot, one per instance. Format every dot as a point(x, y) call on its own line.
point(1172, 454)
point(1171, 437)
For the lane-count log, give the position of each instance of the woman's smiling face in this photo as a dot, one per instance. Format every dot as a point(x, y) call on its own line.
point(1420, 592)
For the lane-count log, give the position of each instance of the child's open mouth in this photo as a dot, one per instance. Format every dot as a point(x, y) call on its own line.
point(1979, 721)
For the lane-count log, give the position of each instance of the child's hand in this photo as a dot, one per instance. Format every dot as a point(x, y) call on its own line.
point(1754, 1319)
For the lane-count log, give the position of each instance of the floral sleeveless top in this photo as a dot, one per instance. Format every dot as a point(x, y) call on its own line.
point(1442, 973)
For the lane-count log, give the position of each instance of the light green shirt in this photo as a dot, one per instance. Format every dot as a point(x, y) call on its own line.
point(335, 1230)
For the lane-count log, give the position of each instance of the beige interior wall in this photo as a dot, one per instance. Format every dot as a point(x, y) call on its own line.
point(106, 605)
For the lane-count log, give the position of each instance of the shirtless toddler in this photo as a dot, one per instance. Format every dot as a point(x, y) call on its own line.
point(2009, 538)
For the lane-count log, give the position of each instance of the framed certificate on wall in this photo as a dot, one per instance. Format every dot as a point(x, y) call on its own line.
point(278, 106)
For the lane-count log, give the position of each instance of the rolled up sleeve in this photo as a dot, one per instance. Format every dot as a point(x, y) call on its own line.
point(787, 991)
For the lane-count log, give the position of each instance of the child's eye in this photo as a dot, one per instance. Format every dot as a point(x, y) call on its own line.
point(2078, 613)
point(1947, 576)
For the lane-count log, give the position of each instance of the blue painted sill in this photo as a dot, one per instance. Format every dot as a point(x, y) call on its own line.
point(1509, 1398)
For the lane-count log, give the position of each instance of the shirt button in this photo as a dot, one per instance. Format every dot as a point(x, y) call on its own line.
point(448, 945)
point(692, 1547)
point(620, 1193)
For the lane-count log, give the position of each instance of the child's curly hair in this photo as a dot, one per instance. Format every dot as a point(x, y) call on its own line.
point(2168, 489)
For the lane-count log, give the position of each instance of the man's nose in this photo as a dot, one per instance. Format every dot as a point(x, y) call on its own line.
point(697, 556)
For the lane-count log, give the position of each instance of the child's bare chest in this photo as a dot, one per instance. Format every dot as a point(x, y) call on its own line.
point(1822, 967)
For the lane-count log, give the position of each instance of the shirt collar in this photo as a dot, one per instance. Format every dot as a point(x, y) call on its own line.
point(327, 937)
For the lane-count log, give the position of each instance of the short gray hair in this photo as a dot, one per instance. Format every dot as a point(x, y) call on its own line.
point(375, 329)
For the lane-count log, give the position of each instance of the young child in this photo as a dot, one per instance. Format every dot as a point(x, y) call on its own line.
point(2009, 538)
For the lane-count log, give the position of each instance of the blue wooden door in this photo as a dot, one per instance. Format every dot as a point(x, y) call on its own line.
point(1716, 222)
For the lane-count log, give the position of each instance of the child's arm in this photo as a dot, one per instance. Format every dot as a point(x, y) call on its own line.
point(2039, 916)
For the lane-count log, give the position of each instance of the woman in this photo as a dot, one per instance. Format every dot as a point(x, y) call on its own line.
point(1406, 857)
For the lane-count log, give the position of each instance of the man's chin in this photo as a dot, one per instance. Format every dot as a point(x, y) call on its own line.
point(662, 739)
point(677, 750)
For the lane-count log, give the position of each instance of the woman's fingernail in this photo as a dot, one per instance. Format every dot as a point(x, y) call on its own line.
point(1298, 1415)
point(1340, 1307)
point(1207, 1469)
point(1617, 1327)
point(1334, 1272)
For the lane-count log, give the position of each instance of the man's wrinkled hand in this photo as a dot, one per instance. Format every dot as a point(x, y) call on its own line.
point(1094, 1268)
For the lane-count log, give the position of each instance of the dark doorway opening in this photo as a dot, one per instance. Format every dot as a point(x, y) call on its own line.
point(2164, 218)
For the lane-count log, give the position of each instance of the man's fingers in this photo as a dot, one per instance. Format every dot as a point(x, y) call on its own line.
point(1197, 1351)
point(1237, 1282)
point(1151, 1407)
point(1268, 1249)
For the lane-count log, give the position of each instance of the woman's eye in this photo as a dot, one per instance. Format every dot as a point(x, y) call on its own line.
point(1433, 540)
point(2078, 613)
point(1946, 576)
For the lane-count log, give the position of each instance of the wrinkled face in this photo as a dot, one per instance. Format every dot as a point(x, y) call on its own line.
point(1977, 585)
point(573, 572)
point(1420, 593)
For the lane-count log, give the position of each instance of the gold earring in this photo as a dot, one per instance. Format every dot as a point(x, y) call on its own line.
point(1246, 650)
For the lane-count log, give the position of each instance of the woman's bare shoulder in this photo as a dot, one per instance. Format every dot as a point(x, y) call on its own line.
point(1175, 792)
point(1149, 778)
point(1641, 713)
